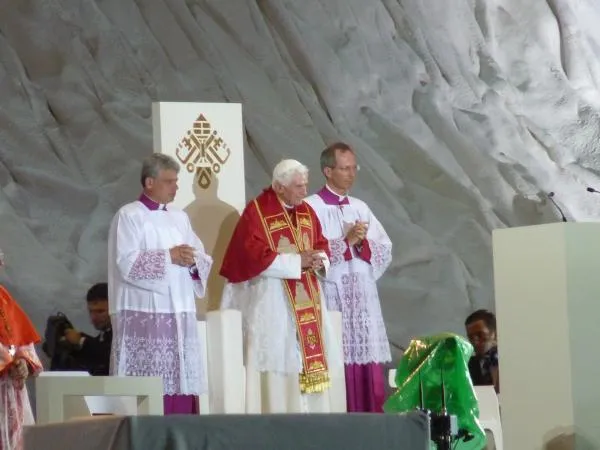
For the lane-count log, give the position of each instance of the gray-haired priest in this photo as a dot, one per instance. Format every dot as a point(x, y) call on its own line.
point(272, 265)
point(156, 267)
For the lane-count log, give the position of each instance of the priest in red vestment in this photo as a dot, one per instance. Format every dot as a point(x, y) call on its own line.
point(18, 360)
point(273, 265)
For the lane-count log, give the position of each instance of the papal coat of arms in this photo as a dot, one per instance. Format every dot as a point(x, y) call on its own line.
point(202, 151)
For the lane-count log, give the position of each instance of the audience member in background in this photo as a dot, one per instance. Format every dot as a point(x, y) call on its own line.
point(481, 332)
point(93, 352)
point(18, 361)
point(70, 349)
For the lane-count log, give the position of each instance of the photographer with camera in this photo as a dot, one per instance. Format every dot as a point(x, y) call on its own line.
point(70, 349)
point(483, 365)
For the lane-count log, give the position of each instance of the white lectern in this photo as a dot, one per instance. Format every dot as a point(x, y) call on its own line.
point(547, 283)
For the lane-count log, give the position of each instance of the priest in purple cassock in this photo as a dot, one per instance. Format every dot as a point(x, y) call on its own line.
point(361, 251)
point(156, 267)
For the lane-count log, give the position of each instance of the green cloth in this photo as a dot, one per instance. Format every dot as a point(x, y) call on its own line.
point(450, 354)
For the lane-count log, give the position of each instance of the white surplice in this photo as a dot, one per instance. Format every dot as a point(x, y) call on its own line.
point(152, 301)
point(271, 350)
point(15, 409)
point(351, 281)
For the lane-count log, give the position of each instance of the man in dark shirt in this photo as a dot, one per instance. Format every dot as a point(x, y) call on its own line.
point(483, 365)
point(92, 353)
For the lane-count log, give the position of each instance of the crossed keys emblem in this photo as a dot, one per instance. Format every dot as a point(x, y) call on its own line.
point(202, 151)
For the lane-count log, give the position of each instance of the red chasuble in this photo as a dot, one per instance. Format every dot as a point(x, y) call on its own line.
point(266, 229)
point(15, 327)
point(16, 330)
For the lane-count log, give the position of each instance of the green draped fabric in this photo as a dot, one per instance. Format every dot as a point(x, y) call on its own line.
point(428, 359)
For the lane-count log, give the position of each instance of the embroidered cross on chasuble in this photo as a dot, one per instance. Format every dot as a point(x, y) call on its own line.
point(287, 234)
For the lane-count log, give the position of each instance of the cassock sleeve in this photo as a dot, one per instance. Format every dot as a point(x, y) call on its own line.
point(249, 254)
point(144, 268)
point(203, 262)
point(376, 249)
point(340, 251)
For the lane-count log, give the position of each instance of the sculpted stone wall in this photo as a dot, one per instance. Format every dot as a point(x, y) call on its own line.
point(462, 113)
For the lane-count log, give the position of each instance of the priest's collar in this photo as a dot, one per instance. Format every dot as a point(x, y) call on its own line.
point(286, 206)
point(151, 204)
point(331, 198)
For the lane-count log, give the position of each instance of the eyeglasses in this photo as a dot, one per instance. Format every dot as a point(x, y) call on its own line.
point(347, 169)
point(480, 336)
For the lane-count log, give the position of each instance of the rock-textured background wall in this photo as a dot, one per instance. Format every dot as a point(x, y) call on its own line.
point(463, 114)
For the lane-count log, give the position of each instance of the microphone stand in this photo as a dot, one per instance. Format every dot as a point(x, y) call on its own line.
point(550, 196)
point(440, 424)
point(444, 439)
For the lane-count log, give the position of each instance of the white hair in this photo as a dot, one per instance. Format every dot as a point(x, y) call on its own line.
point(286, 170)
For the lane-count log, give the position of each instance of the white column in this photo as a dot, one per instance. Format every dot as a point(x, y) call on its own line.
point(337, 392)
point(225, 362)
point(204, 399)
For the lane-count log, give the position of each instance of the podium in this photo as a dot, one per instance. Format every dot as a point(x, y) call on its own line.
point(547, 289)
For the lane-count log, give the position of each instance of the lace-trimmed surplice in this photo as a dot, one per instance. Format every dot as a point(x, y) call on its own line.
point(152, 300)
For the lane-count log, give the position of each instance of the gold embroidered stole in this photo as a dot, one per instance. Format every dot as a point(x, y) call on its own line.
point(303, 294)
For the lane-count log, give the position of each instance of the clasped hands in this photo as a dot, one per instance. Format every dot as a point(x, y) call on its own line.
point(357, 233)
point(182, 255)
point(19, 372)
point(311, 259)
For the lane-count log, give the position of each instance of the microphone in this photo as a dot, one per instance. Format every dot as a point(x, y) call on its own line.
point(551, 198)
point(591, 189)
point(398, 346)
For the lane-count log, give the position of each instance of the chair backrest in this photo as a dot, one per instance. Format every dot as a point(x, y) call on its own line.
point(392, 378)
point(489, 407)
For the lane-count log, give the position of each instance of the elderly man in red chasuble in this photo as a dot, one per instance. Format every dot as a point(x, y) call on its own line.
point(273, 265)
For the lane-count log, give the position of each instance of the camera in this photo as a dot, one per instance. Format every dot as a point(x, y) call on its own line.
point(55, 346)
point(443, 427)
